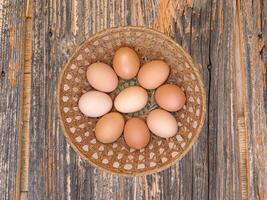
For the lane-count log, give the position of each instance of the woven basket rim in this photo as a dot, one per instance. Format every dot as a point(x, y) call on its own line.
point(192, 64)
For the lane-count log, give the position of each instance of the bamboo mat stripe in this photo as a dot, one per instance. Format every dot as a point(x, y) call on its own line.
point(25, 144)
point(243, 158)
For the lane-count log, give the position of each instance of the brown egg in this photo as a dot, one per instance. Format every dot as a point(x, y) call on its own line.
point(126, 63)
point(170, 97)
point(109, 127)
point(162, 123)
point(136, 133)
point(152, 74)
point(102, 77)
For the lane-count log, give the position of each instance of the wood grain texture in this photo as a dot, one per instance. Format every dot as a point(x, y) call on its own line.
point(11, 81)
point(254, 26)
point(206, 29)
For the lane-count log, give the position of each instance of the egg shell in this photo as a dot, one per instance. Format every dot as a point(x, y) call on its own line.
point(95, 104)
point(136, 133)
point(170, 97)
point(152, 74)
point(131, 99)
point(109, 127)
point(126, 63)
point(102, 77)
point(162, 123)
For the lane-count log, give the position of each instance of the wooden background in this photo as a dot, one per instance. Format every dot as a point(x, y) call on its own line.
point(227, 38)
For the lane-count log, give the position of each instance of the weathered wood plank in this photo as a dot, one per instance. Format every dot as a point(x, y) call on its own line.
point(253, 17)
point(198, 33)
point(12, 15)
point(223, 136)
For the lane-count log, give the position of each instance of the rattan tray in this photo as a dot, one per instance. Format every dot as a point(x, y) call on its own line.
point(118, 157)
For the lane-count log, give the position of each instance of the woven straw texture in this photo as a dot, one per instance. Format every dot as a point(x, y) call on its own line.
point(118, 158)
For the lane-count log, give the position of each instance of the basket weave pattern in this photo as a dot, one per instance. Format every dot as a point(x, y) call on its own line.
point(118, 157)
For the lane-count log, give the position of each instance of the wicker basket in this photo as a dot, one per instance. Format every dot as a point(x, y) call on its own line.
point(118, 158)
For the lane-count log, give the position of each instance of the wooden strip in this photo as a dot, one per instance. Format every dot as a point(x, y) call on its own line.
point(253, 20)
point(12, 26)
point(196, 34)
point(23, 195)
point(223, 136)
point(243, 150)
point(2, 14)
point(25, 144)
point(241, 104)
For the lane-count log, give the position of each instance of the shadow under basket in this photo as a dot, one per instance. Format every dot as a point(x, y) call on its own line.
point(117, 157)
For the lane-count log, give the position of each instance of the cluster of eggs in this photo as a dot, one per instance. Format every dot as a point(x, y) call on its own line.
point(136, 131)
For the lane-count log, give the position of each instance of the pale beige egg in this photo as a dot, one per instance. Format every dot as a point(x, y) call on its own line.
point(162, 123)
point(95, 104)
point(131, 99)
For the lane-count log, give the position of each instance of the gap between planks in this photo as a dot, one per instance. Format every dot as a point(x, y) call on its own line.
point(26, 106)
